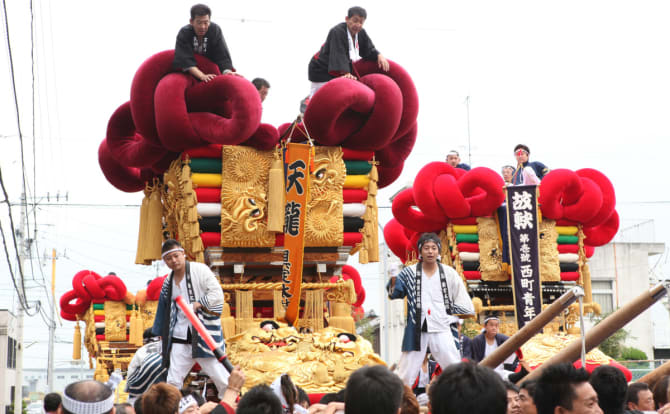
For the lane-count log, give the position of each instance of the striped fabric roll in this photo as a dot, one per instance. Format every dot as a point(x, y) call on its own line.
point(350, 154)
point(574, 248)
point(355, 181)
point(101, 312)
point(467, 229)
point(210, 224)
point(563, 239)
point(465, 221)
point(209, 151)
point(101, 318)
point(569, 267)
point(472, 274)
point(470, 265)
point(208, 195)
point(100, 304)
point(206, 165)
point(569, 276)
point(468, 247)
point(352, 224)
point(206, 180)
point(213, 239)
point(353, 210)
point(567, 230)
point(353, 195)
point(469, 256)
point(468, 238)
point(354, 167)
point(568, 257)
point(209, 209)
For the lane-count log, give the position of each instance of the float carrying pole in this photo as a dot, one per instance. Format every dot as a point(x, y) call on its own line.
point(606, 327)
point(529, 330)
point(218, 352)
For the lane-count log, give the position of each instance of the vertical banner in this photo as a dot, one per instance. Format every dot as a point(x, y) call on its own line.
point(524, 251)
point(296, 163)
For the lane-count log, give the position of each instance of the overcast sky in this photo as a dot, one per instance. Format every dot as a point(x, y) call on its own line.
point(582, 83)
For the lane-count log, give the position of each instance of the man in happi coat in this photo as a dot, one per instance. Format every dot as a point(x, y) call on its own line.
point(205, 38)
point(346, 43)
point(182, 346)
point(435, 296)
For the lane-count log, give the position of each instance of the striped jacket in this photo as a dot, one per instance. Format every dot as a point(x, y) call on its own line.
point(208, 292)
point(406, 286)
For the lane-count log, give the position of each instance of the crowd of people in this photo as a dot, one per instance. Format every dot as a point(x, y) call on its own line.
point(464, 387)
point(526, 172)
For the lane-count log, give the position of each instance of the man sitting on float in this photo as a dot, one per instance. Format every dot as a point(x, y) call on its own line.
point(435, 296)
point(346, 43)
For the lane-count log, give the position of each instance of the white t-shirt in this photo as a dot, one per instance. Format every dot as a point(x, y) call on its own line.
point(181, 326)
point(433, 308)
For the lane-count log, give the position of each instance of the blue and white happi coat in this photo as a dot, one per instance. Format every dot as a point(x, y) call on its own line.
point(203, 287)
point(454, 292)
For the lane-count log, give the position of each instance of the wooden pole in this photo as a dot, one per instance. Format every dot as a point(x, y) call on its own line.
point(529, 330)
point(605, 328)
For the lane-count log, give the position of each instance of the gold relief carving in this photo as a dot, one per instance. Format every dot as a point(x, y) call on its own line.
point(541, 347)
point(115, 321)
point(244, 189)
point(323, 223)
point(550, 269)
point(148, 312)
point(490, 250)
point(317, 362)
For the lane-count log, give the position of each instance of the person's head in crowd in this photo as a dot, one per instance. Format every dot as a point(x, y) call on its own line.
point(639, 397)
point(564, 389)
point(332, 397)
point(303, 398)
point(467, 388)
point(161, 398)
point(199, 399)
point(526, 397)
point(661, 391)
point(453, 158)
point(148, 336)
point(262, 86)
point(513, 403)
point(189, 405)
point(373, 390)
point(124, 408)
point(137, 405)
point(200, 19)
point(52, 402)
point(409, 405)
point(491, 325)
point(88, 396)
point(289, 391)
point(259, 400)
point(611, 386)
point(508, 173)
point(521, 153)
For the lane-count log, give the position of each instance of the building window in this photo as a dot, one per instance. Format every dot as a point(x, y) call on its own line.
point(11, 352)
point(603, 294)
point(61, 377)
point(74, 376)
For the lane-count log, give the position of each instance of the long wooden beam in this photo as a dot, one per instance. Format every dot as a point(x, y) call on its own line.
point(529, 330)
point(606, 327)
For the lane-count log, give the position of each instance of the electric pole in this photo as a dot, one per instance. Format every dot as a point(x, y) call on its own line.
point(18, 382)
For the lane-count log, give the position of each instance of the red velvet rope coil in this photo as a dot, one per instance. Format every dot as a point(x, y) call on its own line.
point(88, 286)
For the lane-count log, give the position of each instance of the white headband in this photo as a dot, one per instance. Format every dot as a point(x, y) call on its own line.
point(176, 249)
point(80, 407)
point(186, 402)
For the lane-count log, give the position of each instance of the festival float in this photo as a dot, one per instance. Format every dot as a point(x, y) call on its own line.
point(275, 212)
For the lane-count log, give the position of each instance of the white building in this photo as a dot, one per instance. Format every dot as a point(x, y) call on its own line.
point(35, 379)
point(7, 358)
point(620, 272)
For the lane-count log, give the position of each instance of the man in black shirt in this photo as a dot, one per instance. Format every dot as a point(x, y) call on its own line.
point(205, 38)
point(346, 43)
